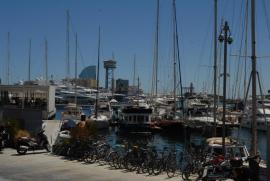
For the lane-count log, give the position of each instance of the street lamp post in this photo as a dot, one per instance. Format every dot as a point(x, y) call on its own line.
point(225, 36)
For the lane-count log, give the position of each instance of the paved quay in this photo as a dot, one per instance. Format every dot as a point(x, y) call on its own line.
point(42, 166)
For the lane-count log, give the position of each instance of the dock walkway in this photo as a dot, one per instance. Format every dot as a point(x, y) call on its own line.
point(44, 166)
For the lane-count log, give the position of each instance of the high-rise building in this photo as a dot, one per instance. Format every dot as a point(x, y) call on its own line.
point(122, 86)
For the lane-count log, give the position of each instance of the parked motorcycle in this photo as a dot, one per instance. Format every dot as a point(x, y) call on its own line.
point(3, 137)
point(1, 142)
point(25, 144)
point(216, 168)
point(234, 169)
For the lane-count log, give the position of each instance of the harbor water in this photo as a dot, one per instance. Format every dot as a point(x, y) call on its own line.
point(176, 140)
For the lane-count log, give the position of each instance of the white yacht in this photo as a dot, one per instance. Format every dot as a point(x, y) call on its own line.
point(103, 115)
point(263, 119)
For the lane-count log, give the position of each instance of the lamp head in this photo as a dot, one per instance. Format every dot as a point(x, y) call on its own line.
point(230, 40)
point(221, 37)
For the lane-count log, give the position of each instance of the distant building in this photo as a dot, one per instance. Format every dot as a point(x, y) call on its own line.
point(87, 77)
point(133, 90)
point(88, 73)
point(30, 104)
point(122, 86)
point(89, 83)
point(189, 91)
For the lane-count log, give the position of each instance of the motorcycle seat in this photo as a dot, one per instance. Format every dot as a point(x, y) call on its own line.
point(28, 139)
point(24, 138)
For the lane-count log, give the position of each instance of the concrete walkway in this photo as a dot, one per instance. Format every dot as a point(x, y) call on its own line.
point(42, 166)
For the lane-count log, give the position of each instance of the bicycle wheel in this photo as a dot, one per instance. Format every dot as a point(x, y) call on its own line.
point(144, 166)
point(92, 156)
point(186, 172)
point(111, 158)
point(119, 163)
point(156, 167)
point(170, 170)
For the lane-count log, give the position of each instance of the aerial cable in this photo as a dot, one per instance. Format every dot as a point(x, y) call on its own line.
point(238, 61)
point(267, 18)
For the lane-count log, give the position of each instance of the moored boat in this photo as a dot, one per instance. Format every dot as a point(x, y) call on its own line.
point(135, 118)
point(101, 121)
point(232, 148)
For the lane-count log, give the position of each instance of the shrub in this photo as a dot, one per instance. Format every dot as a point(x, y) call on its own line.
point(84, 130)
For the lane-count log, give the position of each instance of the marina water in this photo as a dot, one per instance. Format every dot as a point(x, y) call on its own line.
point(174, 140)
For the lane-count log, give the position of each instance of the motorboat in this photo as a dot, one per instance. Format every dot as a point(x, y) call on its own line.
point(135, 117)
point(233, 149)
point(101, 121)
point(262, 119)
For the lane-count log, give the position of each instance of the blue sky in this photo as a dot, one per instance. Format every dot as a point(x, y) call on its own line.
point(128, 28)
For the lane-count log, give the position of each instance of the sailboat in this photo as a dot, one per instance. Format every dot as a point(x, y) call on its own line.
point(72, 111)
point(167, 107)
point(101, 120)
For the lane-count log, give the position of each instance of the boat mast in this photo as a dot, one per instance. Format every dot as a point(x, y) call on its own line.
point(156, 51)
point(134, 70)
point(215, 68)
point(8, 58)
point(225, 36)
point(138, 91)
point(155, 59)
point(97, 94)
point(174, 57)
point(46, 61)
point(76, 65)
point(29, 61)
point(67, 45)
point(254, 72)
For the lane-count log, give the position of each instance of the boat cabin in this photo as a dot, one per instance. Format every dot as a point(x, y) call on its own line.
point(232, 148)
point(136, 115)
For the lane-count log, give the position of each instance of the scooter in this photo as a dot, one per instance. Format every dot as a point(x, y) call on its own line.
point(216, 169)
point(1, 142)
point(3, 138)
point(25, 144)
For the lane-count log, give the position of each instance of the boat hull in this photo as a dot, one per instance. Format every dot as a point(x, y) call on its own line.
point(101, 121)
point(134, 127)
